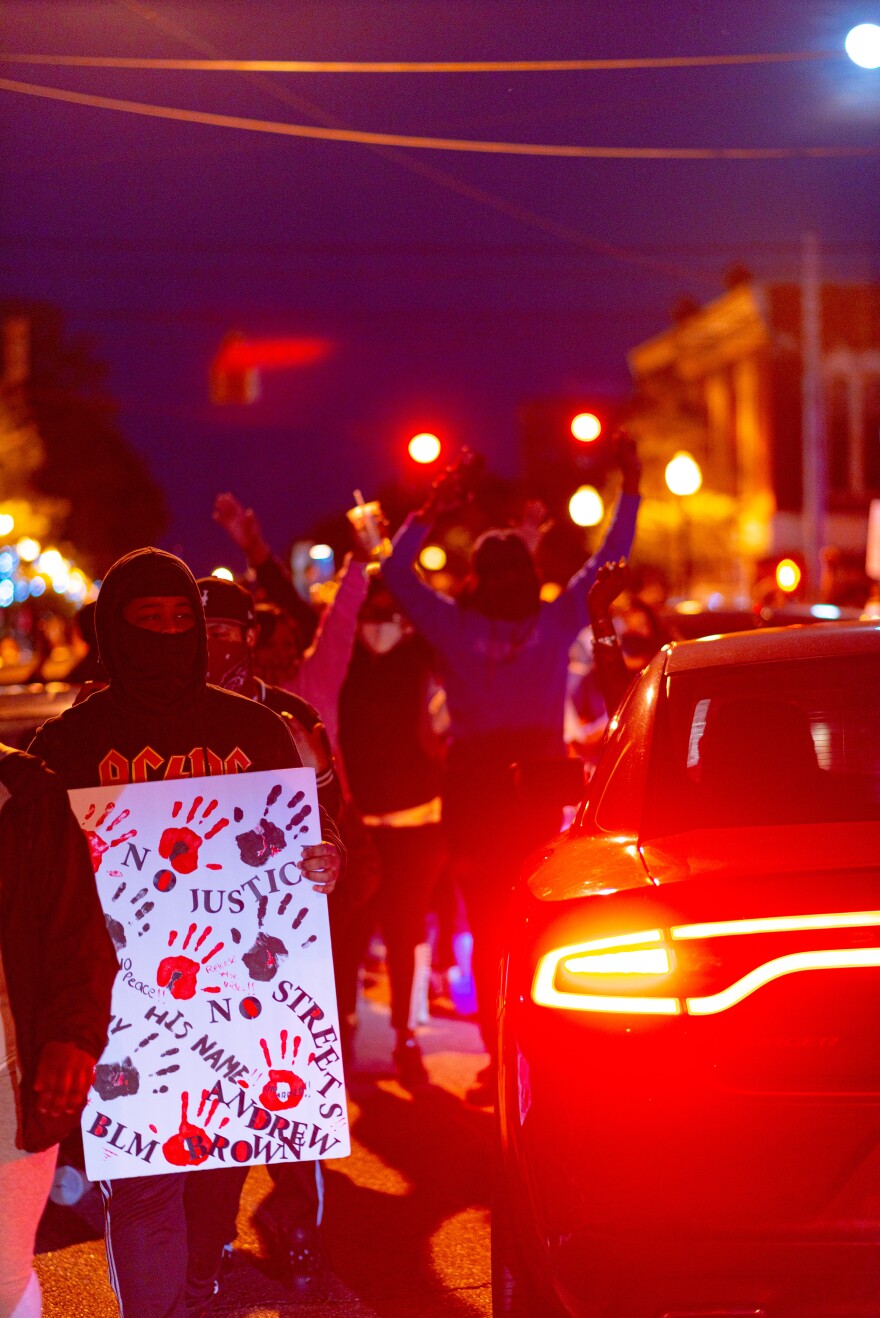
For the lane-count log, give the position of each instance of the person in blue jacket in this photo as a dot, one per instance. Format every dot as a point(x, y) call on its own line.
point(503, 657)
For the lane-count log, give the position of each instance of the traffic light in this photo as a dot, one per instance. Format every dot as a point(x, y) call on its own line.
point(233, 378)
point(424, 448)
point(235, 375)
point(566, 444)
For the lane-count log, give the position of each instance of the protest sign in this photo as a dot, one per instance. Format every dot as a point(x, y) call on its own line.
point(224, 1041)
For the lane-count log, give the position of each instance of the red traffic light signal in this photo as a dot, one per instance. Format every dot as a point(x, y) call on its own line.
point(424, 448)
point(236, 370)
point(566, 443)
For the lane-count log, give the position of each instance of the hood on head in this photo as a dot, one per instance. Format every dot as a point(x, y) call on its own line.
point(146, 572)
point(505, 583)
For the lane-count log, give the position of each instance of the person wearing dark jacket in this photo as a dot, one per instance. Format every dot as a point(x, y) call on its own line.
point(57, 967)
point(503, 658)
point(292, 1213)
point(159, 718)
point(385, 702)
point(231, 619)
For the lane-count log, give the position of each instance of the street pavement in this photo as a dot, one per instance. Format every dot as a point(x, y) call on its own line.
point(406, 1225)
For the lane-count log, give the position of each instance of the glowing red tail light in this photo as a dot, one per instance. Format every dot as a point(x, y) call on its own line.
point(608, 974)
point(639, 974)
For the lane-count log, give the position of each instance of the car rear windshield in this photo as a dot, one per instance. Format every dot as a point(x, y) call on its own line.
point(791, 742)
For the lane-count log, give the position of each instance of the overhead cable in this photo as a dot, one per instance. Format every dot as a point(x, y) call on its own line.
point(310, 131)
point(420, 165)
point(416, 66)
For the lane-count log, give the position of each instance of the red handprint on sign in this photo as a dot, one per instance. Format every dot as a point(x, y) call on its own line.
point(179, 973)
point(97, 844)
point(179, 844)
point(191, 1145)
point(284, 1088)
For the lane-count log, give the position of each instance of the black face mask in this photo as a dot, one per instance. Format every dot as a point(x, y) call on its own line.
point(229, 663)
point(157, 670)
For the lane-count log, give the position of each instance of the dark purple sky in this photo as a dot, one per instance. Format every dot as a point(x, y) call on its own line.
point(444, 311)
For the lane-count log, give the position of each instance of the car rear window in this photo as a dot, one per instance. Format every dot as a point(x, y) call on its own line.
point(791, 742)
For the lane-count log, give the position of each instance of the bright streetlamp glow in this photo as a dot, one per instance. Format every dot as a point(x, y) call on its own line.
point(223, 573)
point(320, 553)
point(788, 575)
point(585, 507)
point(7, 523)
point(683, 475)
point(424, 448)
point(433, 558)
point(863, 45)
point(586, 427)
point(28, 549)
point(50, 563)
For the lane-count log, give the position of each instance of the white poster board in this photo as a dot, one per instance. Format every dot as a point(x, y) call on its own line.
point(224, 1042)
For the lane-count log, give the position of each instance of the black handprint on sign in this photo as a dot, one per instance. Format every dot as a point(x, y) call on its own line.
point(116, 928)
point(121, 1079)
point(258, 845)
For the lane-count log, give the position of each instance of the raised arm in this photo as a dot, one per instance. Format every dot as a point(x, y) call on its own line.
point(612, 673)
point(244, 530)
point(572, 605)
point(324, 665)
point(433, 614)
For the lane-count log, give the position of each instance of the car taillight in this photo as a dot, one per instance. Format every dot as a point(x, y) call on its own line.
point(634, 973)
point(620, 974)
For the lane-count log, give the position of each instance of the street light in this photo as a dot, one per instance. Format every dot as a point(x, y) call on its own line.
point(684, 478)
point(433, 558)
point(788, 575)
point(683, 475)
point(585, 507)
point(863, 45)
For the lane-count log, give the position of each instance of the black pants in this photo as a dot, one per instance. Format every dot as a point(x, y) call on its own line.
point(165, 1236)
point(491, 829)
point(412, 859)
point(295, 1200)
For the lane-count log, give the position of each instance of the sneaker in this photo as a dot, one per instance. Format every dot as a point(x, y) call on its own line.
point(410, 1067)
point(303, 1258)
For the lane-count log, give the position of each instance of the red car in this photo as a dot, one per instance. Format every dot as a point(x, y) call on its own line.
point(689, 1088)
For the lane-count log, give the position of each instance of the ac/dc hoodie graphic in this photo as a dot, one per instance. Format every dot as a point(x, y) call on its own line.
point(159, 718)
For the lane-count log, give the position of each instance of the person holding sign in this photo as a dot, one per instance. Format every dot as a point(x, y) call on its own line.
point(159, 719)
point(293, 1211)
point(57, 968)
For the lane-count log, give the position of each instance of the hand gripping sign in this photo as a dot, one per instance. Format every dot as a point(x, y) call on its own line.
point(224, 1041)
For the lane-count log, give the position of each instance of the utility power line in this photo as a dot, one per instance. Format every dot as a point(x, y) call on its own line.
point(417, 66)
point(552, 150)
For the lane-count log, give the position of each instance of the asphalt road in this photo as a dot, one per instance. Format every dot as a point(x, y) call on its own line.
point(406, 1225)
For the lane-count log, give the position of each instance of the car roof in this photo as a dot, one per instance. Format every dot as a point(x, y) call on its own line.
point(768, 644)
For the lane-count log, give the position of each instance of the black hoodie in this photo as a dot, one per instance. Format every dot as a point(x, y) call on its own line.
point(159, 718)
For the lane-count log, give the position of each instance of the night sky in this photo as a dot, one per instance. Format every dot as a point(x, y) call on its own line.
point(445, 310)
